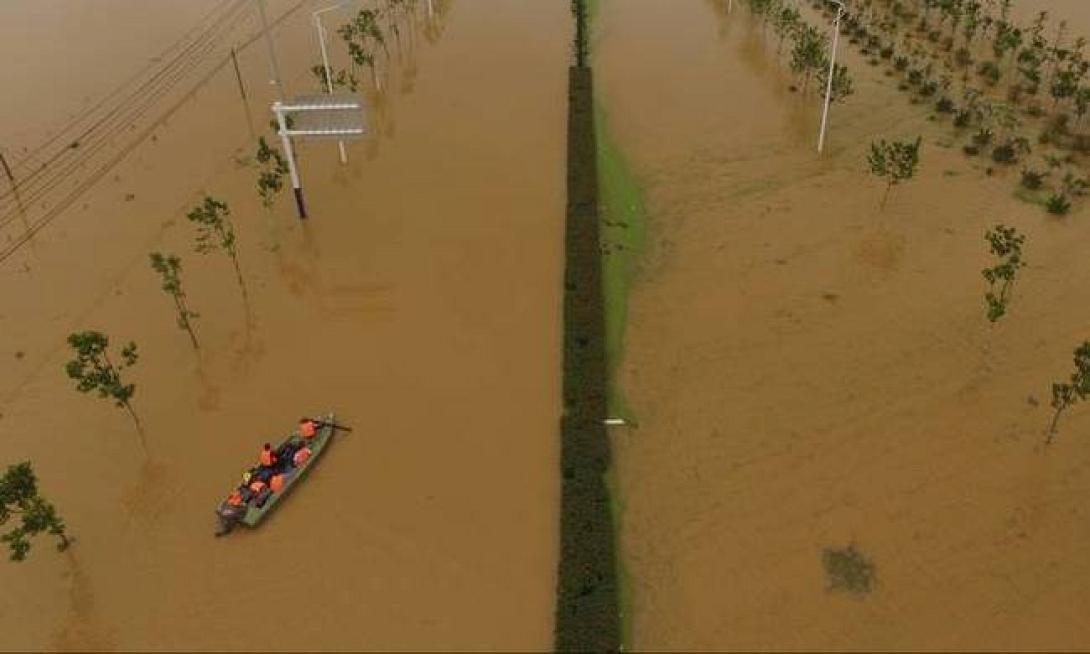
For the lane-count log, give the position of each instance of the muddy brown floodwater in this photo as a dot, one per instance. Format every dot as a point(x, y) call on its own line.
point(421, 302)
point(809, 372)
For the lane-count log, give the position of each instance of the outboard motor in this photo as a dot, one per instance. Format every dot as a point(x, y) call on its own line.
point(229, 516)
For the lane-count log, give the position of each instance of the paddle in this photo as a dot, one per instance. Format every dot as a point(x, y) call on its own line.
point(335, 426)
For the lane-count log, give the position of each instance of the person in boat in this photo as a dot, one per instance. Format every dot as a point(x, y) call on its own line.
point(301, 456)
point(308, 429)
point(235, 498)
point(260, 491)
point(286, 451)
point(268, 457)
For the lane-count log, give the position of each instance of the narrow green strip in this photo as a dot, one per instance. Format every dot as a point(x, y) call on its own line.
point(623, 224)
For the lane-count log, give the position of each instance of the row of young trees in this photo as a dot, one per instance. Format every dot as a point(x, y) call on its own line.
point(935, 46)
point(367, 37)
point(809, 52)
point(96, 370)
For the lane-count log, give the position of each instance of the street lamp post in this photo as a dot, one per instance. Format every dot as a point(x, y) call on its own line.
point(832, 72)
point(325, 62)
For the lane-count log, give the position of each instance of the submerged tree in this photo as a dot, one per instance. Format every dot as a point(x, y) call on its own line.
point(20, 499)
point(94, 371)
point(1065, 394)
point(894, 161)
point(785, 23)
point(364, 36)
point(270, 179)
point(808, 55)
point(170, 269)
point(1006, 244)
point(335, 79)
point(215, 231)
point(842, 85)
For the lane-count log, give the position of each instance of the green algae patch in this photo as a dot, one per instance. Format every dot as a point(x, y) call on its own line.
point(623, 226)
point(624, 579)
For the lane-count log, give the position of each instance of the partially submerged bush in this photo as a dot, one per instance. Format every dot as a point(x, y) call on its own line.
point(1032, 179)
point(989, 70)
point(1058, 204)
point(848, 570)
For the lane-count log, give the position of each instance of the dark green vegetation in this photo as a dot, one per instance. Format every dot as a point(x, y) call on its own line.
point(848, 570)
point(19, 499)
point(170, 270)
point(1065, 394)
point(93, 369)
point(895, 162)
point(587, 615)
point(1006, 244)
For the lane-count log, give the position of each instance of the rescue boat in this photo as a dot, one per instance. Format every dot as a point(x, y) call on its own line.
point(256, 508)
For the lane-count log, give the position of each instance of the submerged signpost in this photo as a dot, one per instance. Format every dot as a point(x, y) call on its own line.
point(316, 117)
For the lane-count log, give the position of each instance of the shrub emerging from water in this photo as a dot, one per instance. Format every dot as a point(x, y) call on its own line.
point(215, 231)
point(989, 70)
point(169, 268)
point(1032, 179)
point(1058, 204)
point(1005, 244)
point(895, 161)
point(19, 498)
point(1075, 389)
point(94, 371)
point(848, 570)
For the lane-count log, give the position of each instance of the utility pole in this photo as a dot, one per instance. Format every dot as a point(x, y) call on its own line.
point(7, 169)
point(832, 72)
point(272, 50)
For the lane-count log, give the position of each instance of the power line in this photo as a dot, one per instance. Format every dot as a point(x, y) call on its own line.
point(60, 168)
point(81, 187)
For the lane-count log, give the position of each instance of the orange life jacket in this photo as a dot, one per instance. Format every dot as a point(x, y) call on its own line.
point(267, 458)
point(235, 499)
point(301, 456)
point(307, 429)
point(257, 487)
point(277, 483)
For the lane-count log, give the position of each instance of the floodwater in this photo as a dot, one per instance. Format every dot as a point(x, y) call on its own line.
point(809, 372)
point(421, 301)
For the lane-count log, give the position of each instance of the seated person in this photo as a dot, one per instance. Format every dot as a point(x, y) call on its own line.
point(268, 457)
point(301, 456)
point(308, 429)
